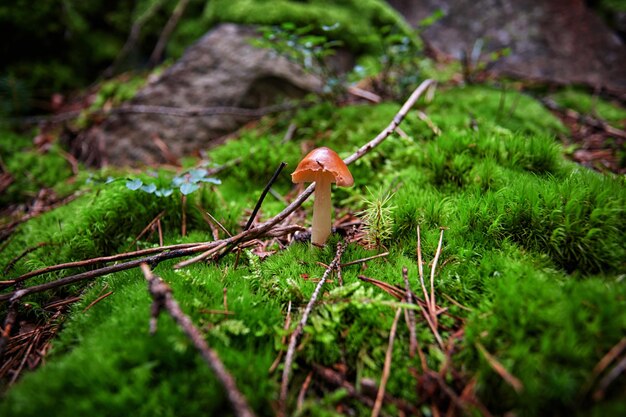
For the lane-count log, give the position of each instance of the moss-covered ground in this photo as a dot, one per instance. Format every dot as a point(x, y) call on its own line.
point(532, 272)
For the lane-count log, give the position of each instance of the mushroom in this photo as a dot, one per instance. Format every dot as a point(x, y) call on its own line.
point(322, 166)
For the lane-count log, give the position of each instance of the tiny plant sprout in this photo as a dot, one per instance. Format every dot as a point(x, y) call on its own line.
point(322, 166)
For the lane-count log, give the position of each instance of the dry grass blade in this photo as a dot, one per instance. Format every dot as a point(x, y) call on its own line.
point(410, 313)
point(420, 268)
point(433, 304)
point(387, 366)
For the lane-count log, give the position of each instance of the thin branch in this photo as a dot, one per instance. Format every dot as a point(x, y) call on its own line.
point(13, 261)
point(397, 119)
point(204, 255)
point(94, 261)
point(263, 194)
point(387, 366)
point(213, 220)
point(282, 402)
point(133, 37)
point(167, 31)
point(335, 378)
point(163, 300)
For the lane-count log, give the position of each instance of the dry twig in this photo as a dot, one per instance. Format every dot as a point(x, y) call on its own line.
point(263, 194)
point(163, 300)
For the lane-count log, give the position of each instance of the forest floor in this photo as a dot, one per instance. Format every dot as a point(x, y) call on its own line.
point(474, 269)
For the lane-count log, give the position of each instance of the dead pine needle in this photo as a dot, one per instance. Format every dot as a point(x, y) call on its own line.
point(514, 382)
point(163, 300)
point(363, 260)
point(97, 300)
point(386, 367)
point(293, 340)
point(410, 314)
point(151, 225)
point(303, 390)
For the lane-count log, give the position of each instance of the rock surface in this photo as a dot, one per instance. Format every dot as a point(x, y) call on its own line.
point(550, 40)
point(222, 69)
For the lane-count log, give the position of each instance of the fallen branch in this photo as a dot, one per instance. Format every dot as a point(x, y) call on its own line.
point(293, 340)
point(163, 300)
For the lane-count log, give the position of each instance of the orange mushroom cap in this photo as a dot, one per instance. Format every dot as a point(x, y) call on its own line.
point(319, 161)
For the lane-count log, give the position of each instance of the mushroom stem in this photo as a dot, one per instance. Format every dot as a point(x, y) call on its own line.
point(322, 210)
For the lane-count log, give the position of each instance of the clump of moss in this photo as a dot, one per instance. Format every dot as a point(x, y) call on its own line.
point(30, 170)
point(548, 333)
point(355, 23)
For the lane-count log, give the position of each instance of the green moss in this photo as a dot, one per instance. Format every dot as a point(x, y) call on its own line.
point(547, 333)
point(533, 248)
point(358, 21)
point(31, 170)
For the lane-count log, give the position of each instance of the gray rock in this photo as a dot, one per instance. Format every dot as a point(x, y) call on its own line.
point(221, 69)
point(551, 40)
